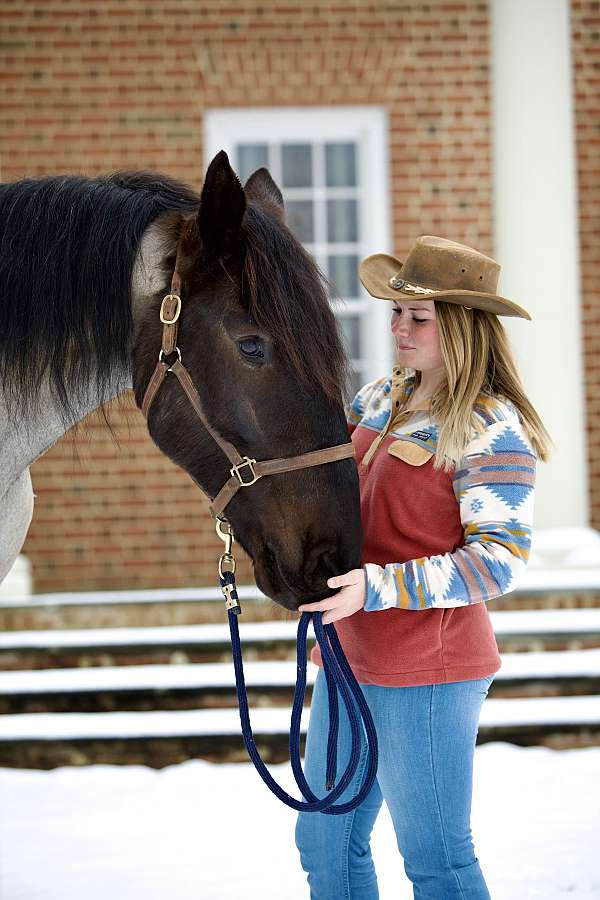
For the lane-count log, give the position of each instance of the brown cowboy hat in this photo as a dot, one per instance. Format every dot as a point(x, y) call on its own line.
point(437, 269)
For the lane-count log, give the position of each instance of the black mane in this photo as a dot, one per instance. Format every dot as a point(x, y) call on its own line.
point(67, 248)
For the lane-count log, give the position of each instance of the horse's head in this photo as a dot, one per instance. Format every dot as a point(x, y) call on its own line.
point(259, 339)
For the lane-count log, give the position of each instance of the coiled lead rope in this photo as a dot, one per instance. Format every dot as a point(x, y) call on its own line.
point(339, 676)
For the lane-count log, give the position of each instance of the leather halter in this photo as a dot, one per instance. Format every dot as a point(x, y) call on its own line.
point(244, 471)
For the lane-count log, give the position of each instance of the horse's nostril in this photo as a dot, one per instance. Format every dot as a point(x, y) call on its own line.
point(320, 565)
point(328, 563)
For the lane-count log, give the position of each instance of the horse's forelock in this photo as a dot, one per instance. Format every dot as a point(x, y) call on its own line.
point(287, 296)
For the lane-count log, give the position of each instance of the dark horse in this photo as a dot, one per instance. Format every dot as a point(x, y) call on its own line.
point(84, 265)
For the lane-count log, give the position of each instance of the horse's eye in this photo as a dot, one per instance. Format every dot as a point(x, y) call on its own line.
point(251, 347)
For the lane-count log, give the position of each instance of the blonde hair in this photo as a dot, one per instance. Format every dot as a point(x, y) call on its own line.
point(479, 365)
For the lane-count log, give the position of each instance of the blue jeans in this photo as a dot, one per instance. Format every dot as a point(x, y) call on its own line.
point(426, 739)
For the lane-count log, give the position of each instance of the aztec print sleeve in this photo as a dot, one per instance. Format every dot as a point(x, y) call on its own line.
point(494, 486)
point(356, 410)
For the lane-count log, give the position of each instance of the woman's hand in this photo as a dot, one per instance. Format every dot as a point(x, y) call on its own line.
point(346, 602)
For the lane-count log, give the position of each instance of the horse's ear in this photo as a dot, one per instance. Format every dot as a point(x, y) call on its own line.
point(222, 206)
point(260, 186)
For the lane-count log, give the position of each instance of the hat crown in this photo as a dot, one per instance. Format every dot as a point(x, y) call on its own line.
point(443, 265)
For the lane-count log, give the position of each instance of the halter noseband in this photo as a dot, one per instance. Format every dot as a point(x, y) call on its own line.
point(244, 471)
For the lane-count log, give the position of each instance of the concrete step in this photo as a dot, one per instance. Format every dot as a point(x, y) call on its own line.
point(163, 738)
point(124, 609)
point(147, 687)
point(516, 631)
point(547, 588)
point(269, 683)
point(131, 646)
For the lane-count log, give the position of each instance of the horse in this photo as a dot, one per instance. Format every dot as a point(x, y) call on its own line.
point(84, 266)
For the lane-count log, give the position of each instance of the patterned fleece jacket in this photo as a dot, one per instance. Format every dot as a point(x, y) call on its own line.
point(493, 486)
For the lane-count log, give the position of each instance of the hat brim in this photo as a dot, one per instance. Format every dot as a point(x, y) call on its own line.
point(375, 272)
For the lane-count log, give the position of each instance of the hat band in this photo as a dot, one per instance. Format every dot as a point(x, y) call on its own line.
point(399, 284)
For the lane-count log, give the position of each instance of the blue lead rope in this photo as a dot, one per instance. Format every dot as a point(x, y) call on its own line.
point(338, 675)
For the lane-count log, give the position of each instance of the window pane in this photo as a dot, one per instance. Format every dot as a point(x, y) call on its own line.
point(350, 326)
point(343, 272)
point(342, 222)
point(340, 165)
point(251, 157)
point(296, 165)
point(300, 219)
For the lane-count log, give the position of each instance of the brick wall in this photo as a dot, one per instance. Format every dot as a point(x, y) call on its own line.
point(91, 87)
point(585, 25)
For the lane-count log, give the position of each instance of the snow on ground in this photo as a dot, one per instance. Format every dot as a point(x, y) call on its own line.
point(200, 831)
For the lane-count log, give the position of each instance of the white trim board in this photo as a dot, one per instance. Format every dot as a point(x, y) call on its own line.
point(536, 235)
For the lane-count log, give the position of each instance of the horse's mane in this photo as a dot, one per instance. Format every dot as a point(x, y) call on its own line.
point(67, 249)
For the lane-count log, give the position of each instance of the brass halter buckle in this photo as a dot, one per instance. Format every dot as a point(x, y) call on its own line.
point(235, 470)
point(176, 311)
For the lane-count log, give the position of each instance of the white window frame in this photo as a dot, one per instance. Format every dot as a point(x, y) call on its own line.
point(367, 126)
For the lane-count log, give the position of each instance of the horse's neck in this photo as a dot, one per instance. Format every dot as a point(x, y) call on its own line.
point(20, 446)
point(23, 443)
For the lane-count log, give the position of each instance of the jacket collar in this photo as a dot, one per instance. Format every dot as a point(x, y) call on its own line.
point(402, 388)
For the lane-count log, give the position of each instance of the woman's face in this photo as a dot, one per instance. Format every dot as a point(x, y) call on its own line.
point(415, 331)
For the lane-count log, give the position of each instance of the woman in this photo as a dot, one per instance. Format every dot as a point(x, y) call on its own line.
point(446, 451)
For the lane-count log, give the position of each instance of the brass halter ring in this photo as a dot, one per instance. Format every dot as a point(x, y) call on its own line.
point(176, 350)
